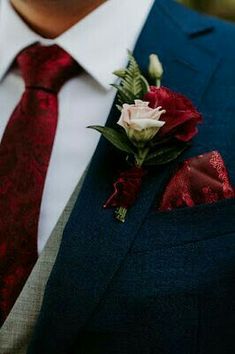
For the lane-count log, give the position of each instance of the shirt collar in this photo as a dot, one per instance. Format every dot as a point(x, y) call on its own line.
point(99, 42)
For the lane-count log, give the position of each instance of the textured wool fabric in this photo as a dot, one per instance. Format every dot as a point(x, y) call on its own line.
point(15, 334)
point(25, 153)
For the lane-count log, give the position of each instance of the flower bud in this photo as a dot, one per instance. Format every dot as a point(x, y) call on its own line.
point(155, 67)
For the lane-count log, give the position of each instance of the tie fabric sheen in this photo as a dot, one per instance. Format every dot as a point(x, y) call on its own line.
point(25, 152)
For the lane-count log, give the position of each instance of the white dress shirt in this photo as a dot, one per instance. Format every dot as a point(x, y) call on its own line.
point(99, 43)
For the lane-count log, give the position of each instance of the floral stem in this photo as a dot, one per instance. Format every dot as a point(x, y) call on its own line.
point(141, 156)
point(158, 83)
point(121, 214)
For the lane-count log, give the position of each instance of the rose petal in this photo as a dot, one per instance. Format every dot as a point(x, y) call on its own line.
point(141, 124)
point(181, 116)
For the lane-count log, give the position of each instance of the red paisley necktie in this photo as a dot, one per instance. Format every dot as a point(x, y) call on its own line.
point(25, 152)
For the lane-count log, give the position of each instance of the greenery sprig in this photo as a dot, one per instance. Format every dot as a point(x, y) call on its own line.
point(133, 84)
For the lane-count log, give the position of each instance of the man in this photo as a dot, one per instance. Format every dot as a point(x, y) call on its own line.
point(160, 282)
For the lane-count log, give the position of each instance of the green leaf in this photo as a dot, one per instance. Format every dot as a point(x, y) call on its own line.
point(165, 155)
point(124, 94)
point(145, 85)
point(120, 73)
point(155, 143)
point(119, 107)
point(133, 84)
point(118, 139)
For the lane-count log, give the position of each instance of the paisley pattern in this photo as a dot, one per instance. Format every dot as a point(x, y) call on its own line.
point(25, 152)
point(201, 180)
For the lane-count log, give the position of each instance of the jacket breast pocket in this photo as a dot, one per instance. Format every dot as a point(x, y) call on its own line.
point(185, 225)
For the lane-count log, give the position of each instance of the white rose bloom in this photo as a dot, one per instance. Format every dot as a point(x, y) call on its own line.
point(141, 122)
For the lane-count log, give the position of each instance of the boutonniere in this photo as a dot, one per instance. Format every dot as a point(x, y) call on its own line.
point(155, 127)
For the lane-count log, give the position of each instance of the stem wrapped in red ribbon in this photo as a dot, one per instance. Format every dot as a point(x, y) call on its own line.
point(126, 190)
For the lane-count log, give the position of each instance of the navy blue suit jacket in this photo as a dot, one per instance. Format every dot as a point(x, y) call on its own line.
point(162, 283)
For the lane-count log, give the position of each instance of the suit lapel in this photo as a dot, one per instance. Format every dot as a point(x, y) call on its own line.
point(94, 245)
point(188, 67)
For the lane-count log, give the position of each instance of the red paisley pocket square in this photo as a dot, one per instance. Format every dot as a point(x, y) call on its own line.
point(200, 180)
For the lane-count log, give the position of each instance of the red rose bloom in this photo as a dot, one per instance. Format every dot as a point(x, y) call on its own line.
point(181, 116)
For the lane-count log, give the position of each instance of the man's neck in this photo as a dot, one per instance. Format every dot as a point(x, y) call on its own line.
point(52, 18)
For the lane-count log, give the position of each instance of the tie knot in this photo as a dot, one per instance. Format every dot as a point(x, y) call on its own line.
point(46, 67)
